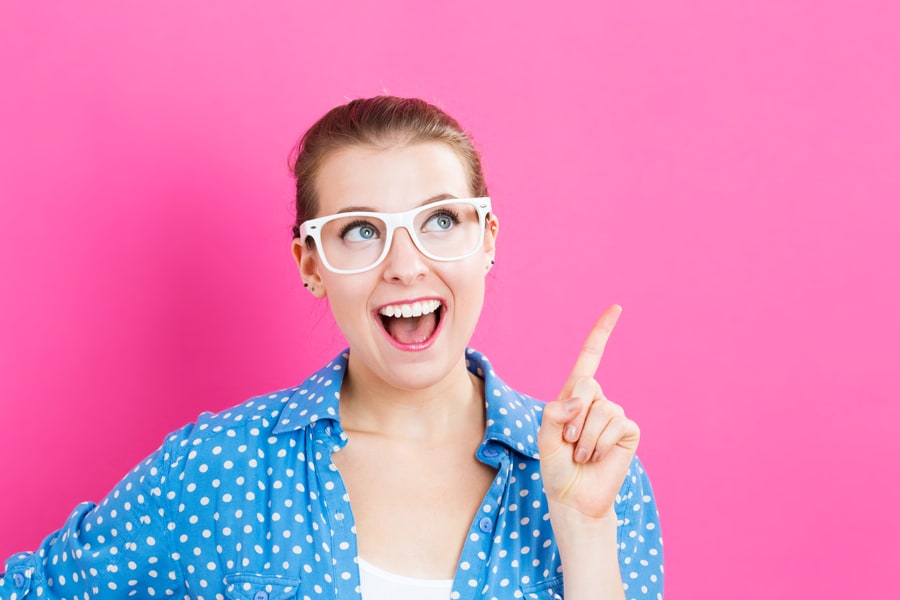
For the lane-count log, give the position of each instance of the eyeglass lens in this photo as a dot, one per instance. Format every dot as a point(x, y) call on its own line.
point(447, 232)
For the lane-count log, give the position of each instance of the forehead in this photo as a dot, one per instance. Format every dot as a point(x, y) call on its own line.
point(389, 179)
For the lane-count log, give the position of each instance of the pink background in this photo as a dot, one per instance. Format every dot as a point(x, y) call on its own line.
point(726, 170)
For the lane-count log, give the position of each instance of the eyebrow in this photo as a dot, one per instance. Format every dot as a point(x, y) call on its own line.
point(437, 198)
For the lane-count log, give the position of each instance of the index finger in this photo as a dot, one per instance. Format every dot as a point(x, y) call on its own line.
point(592, 351)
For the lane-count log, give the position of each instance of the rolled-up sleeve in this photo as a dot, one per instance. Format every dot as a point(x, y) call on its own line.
point(112, 549)
point(639, 537)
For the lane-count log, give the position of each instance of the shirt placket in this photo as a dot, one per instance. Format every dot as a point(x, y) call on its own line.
point(339, 518)
point(473, 572)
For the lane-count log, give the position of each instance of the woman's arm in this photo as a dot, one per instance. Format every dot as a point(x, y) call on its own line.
point(589, 554)
point(104, 550)
point(588, 465)
point(602, 558)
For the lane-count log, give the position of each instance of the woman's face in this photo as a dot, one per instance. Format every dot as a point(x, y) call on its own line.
point(405, 353)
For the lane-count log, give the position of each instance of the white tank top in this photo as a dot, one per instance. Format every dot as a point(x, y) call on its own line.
point(377, 584)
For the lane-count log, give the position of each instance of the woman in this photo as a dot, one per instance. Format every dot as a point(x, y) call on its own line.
point(404, 468)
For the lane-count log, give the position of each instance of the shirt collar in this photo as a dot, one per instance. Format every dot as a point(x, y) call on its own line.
point(512, 418)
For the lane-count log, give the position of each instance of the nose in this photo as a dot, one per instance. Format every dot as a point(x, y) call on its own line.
point(404, 263)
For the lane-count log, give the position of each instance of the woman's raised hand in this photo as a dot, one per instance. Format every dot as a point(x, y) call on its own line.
point(586, 443)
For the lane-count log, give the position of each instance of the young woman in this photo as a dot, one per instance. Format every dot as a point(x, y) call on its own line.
point(404, 468)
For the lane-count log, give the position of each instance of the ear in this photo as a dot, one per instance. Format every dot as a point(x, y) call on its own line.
point(308, 263)
point(491, 229)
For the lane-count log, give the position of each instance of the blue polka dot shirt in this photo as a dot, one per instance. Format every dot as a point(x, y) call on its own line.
point(248, 505)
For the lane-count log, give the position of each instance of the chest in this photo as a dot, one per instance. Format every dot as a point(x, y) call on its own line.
point(292, 517)
point(413, 506)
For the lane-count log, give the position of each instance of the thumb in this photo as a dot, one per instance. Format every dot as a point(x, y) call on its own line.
point(557, 415)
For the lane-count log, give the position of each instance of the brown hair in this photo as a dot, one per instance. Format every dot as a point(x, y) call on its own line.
point(378, 121)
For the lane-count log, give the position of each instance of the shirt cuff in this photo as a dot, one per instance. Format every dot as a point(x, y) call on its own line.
point(16, 583)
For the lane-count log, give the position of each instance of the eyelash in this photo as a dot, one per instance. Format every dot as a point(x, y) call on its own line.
point(446, 212)
point(354, 225)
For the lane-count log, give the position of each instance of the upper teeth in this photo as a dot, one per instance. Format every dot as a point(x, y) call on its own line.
point(416, 309)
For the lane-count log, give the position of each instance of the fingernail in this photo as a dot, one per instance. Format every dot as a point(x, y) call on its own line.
point(571, 433)
point(581, 455)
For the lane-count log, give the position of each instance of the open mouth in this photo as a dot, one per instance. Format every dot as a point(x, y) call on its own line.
point(413, 324)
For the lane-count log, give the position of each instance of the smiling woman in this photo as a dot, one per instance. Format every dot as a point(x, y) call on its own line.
point(395, 177)
point(405, 467)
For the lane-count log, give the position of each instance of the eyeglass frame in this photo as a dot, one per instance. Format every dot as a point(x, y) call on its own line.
point(311, 228)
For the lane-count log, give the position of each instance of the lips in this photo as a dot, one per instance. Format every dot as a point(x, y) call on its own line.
point(412, 325)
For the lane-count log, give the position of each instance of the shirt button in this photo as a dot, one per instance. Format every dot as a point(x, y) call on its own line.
point(19, 580)
point(485, 524)
point(491, 452)
point(261, 596)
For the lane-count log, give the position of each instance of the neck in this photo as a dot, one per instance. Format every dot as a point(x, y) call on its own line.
point(453, 405)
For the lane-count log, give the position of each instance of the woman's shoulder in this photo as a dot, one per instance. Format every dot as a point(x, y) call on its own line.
point(512, 417)
point(266, 415)
point(495, 387)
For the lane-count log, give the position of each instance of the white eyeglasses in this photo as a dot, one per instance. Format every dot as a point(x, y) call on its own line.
point(354, 242)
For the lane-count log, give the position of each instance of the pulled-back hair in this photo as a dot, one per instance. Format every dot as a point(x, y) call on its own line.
point(382, 121)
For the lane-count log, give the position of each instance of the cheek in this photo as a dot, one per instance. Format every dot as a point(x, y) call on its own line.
point(469, 285)
point(346, 297)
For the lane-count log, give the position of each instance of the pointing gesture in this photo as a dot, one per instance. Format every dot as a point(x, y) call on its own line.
point(586, 443)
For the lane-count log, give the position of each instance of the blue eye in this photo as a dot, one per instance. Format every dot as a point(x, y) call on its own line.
point(359, 231)
point(442, 220)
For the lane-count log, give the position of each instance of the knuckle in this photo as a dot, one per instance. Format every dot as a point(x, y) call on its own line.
point(585, 381)
point(611, 408)
point(586, 387)
point(607, 409)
